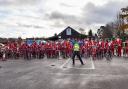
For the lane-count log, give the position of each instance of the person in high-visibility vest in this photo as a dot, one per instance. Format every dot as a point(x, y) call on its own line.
point(76, 52)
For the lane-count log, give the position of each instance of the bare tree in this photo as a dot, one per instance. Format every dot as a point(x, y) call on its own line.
point(81, 30)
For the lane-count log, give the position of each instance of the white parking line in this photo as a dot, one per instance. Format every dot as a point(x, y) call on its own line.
point(91, 75)
point(65, 63)
point(93, 66)
point(79, 68)
point(73, 67)
point(68, 74)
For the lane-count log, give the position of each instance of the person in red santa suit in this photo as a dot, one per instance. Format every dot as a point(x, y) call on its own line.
point(90, 47)
point(56, 49)
point(67, 49)
point(119, 46)
point(85, 48)
point(60, 49)
point(3, 53)
point(102, 48)
point(126, 48)
point(15, 46)
point(5, 48)
point(9, 51)
point(40, 50)
point(48, 48)
point(94, 50)
point(112, 47)
point(106, 46)
point(21, 50)
point(53, 50)
point(99, 51)
point(34, 49)
point(25, 47)
point(43, 51)
point(63, 48)
point(109, 48)
point(70, 48)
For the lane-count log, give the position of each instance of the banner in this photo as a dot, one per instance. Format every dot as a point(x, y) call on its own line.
point(68, 31)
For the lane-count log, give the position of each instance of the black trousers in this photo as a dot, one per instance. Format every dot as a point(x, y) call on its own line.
point(77, 53)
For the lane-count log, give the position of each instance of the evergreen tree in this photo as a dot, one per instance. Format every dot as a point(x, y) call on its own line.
point(90, 33)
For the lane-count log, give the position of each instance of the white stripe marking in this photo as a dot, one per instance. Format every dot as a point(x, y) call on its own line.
point(65, 63)
point(78, 68)
point(93, 66)
point(92, 75)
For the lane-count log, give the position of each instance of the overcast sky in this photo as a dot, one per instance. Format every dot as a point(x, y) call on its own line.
point(39, 18)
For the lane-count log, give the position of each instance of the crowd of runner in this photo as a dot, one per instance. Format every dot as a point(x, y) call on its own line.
point(97, 49)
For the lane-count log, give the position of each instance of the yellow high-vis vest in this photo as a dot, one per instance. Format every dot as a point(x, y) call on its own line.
point(76, 47)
